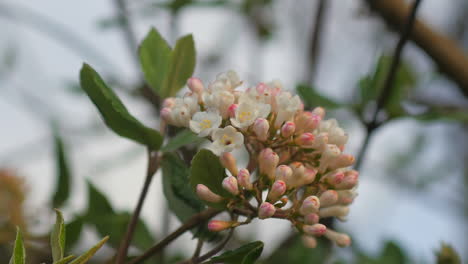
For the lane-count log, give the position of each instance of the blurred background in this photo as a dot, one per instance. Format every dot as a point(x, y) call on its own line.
point(413, 187)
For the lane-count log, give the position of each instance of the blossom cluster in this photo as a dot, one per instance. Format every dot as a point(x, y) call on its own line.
point(296, 156)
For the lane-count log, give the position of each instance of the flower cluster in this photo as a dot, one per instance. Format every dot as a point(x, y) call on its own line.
point(295, 155)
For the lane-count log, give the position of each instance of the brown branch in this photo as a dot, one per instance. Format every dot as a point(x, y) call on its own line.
point(153, 165)
point(189, 224)
point(448, 56)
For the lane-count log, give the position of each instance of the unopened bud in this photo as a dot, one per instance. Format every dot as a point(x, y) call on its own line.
point(260, 128)
point(333, 178)
point(283, 173)
point(307, 122)
point(298, 174)
point(309, 241)
point(277, 190)
point(319, 111)
point(314, 230)
point(266, 210)
point(343, 160)
point(166, 114)
point(328, 198)
point(309, 176)
point(229, 162)
point(218, 225)
point(305, 140)
point(207, 195)
point(346, 197)
point(243, 178)
point(288, 129)
point(311, 218)
point(232, 110)
point(261, 87)
point(168, 102)
point(310, 204)
point(230, 185)
point(268, 160)
point(338, 211)
point(195, 85)
point(342, 240)
point(350, 180)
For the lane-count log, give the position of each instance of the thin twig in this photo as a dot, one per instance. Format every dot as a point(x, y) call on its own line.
point(388, 84)
point(153, 165)
point(314, 47)
point(129, 34)
point(198, 249)
point(189, 224)
point(215, 250)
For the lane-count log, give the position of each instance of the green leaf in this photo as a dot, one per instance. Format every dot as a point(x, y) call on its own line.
point(181, 67)
point(246, 254)
point(114, 113)
point(65, 260)
point(447, 255)
point(207, 169)
point(297, 253)
point(19, 253)
point(62, 189)
point(183, 138)
point(73, 232)
point(392, 253)
point(57, 237)
point(312, 98)
point(155, 55)
point(98, 205)
point(90, 253)
point(435, 115)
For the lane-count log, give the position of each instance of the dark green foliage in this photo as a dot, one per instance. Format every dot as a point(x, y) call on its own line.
point(246, 254)
point(62, 189)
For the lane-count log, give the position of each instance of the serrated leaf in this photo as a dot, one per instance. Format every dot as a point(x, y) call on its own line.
point(181, 66)
point(73, 232)
point(246, 254)
point(207, 169)
point(155, 55)
point(183, 138)
point(312, 98)
point(57, 237)
point(62, 189)
point(65, 260)
point(90, 253)
point(19, 252)
point(114, 113)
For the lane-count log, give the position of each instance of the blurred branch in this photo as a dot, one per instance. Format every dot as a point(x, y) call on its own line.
point(314, 44)
point(55, 31)
point(448, 56)
point(129, 34)
point(389, 81)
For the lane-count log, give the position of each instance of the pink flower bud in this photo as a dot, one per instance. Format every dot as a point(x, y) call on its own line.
point(166, 114)
point(309, 241)
point(319, 111)
point(298, 175)
point(232, 110)
point(346, 197)
point(195, 85)
point(350, 180)
point(328, 198)
point(310, 204)
point(260, 128)
point(288, 129)
point(277, 190)
point(307, 122)
point(314, 230)
point(261, 87)
point(309, 176)
point(168, 102)
point(207, 195)
point(333, 178)
point(268, 160)
point(218, 225)
point(229, 162)
point(343, 160)
point(230, 185)
point(283, 173)
point(266, 210)
point(342, 240)
point(305, 140)
point(243, 178)
point(338, 211)
point(311, 219)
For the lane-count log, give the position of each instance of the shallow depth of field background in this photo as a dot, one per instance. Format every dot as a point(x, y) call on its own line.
point(413, 180)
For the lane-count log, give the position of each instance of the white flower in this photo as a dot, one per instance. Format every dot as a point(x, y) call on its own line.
point(248, 111)
point(219, 101)
point(226, 140)
point(336, 134)
point(203, 123)
point(286, 107)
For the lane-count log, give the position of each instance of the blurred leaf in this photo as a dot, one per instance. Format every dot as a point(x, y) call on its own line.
point(62, 189)
point(207, 169)
point(447, 255)
point(115, 226)
point(392, 253)
point(183, 138)
point(441, 115)
point(57, 237)
point(65, 260)
point(73, 231)
point(297, 253)
point(181, 66)
point(19, 253)
point(90, 253)
point(155, 56)
point(312, 98)
point(246, 254)
point(114, 113)
point(111, 22)
point(98, 205)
